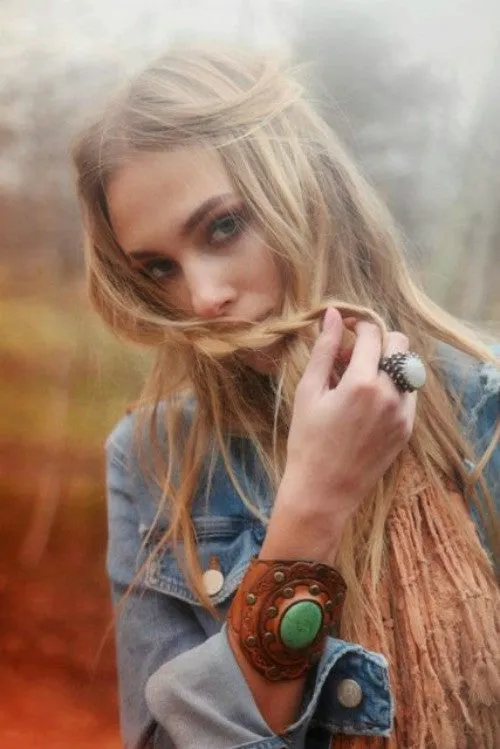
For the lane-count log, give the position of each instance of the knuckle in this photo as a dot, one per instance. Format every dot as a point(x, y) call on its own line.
point(364, 389)
point(390, 401)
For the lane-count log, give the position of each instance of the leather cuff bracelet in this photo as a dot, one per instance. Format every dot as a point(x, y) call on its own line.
point(282, 613)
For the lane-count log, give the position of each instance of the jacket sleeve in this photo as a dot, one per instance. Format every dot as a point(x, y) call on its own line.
point(483, 400)
point(485, 414)
point(477, 386)
point(179, 689)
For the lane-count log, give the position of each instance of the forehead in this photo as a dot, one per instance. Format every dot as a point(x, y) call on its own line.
point(154, 193)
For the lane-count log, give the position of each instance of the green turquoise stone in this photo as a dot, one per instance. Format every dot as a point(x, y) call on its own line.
point(300, 625)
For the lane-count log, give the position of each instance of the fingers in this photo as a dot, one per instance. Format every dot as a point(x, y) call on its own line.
point(366, 353)
point(317, 374)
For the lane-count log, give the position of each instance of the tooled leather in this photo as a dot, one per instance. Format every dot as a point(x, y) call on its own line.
point(252, 622)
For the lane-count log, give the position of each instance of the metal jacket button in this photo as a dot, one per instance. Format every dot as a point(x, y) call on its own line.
point(349, 693)
point(213, 580)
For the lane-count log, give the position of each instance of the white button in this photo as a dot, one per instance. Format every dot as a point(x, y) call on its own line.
point(349, 693)
point(213, 580)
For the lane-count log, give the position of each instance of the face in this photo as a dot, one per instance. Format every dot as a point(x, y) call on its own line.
point(178, 217)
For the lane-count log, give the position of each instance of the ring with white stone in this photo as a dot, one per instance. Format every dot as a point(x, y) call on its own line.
point(406, 370)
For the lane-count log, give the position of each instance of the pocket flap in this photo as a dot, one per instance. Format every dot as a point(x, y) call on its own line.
point(230, 542)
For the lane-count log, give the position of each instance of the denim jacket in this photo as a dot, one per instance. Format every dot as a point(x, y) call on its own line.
point(179, 683)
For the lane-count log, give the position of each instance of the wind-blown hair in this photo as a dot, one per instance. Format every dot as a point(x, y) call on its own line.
point(334, 243)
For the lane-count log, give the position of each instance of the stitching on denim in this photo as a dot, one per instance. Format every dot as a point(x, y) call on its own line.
point(353, 728)
point(169, 585)
point(345, 649)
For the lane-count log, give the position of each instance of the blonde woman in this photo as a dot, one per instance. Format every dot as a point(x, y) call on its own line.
point(302, 534)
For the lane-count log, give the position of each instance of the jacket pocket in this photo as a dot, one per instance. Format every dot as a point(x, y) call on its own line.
point(230, 542)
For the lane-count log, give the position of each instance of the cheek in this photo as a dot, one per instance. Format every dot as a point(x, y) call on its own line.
point(178, 296)
point(276, 285)
point(267, 274)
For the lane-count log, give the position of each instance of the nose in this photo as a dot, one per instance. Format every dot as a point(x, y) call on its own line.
point(211, 293)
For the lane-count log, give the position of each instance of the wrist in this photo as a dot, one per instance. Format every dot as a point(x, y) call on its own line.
point(309, 500)
point(283, 611)
point(297, 531)
point(337, 493)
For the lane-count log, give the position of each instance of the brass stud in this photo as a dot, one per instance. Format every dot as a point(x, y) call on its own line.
point(339, 597)
point(272, 612)
point(328, 606)
point(279, 576)
point(315, 590)
point(251, 641)
point(269, 637)
point(251, 599)
point(288, 592)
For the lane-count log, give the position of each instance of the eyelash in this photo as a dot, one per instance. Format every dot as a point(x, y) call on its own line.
point(239, 218)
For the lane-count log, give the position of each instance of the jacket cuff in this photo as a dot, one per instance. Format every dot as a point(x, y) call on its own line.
point(324, 704)
point(201, 698)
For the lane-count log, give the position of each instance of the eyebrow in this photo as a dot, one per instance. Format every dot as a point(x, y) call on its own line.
point(189, 225)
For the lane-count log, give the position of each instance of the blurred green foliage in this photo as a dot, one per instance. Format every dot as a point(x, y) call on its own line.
point(65, 380)
point(55, 350)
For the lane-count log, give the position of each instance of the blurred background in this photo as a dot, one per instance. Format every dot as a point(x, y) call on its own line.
point(412, 88)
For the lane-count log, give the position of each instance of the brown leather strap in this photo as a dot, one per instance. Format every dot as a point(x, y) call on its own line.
point(268, 590)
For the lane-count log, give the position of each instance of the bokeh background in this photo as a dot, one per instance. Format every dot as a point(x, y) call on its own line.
point(413, 89)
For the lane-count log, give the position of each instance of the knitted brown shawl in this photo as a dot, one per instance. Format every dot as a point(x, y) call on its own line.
point(437, 621)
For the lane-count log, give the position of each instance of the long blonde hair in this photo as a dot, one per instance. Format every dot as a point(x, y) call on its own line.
point(334, 243)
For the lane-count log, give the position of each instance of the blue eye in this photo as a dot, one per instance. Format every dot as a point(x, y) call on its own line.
point(225, 227)
point(160, 268)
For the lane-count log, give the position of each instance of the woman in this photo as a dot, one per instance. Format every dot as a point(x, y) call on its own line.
point(301, 538)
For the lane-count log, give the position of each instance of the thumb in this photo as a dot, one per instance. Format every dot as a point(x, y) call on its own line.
point(319, 369)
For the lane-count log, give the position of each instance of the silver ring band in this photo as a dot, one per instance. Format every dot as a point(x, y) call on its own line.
point(406, 370)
